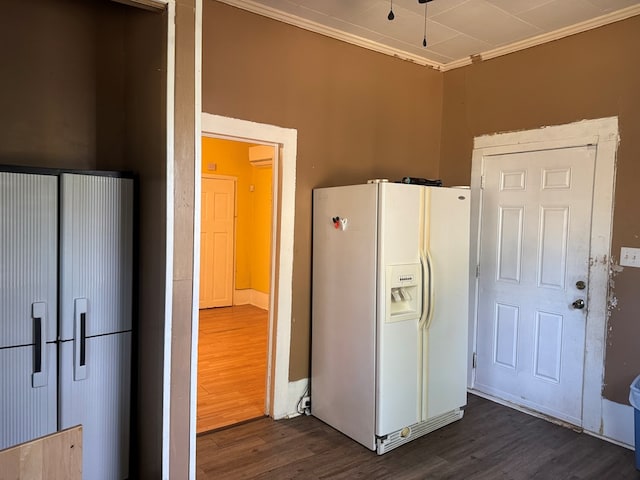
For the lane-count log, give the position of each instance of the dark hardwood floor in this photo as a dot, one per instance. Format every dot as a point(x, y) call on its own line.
point(490, 442)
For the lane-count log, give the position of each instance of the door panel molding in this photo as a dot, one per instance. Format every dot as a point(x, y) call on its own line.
point(603, 134)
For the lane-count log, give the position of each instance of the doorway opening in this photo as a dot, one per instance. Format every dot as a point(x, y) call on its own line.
point(281, 395)
point(235, 274)
point(497, 326)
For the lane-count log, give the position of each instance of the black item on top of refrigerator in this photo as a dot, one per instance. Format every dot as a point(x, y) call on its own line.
point(422, 181)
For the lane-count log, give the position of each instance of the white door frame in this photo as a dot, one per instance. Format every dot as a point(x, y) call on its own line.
point(602, 133)
point(281, 399)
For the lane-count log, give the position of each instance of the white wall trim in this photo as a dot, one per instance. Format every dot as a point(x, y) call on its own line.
point(603, 133)
point(275, 14)
point(352, 39)
point(297, 389)
point(250, 296)
point(617, 424)
point(242, 296)
point(587, 25)
point(170, 172)
point(280, 327)
point(195, 317)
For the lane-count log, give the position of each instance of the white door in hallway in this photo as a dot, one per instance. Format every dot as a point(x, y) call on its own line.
point(533, 275)
point(217, 242)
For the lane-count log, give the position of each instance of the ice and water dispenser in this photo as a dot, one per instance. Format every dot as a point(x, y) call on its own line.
point(404, 292)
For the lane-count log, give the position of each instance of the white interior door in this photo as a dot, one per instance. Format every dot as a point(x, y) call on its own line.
point(534, 263)
point(217, 242)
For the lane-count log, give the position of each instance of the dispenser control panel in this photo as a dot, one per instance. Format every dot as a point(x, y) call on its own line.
point(403, 291)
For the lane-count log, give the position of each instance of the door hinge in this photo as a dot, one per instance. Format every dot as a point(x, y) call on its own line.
point(474, 360)
point(477, 270)
point(481, 182)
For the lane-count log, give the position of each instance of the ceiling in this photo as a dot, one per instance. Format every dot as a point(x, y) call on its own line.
point(458, 31)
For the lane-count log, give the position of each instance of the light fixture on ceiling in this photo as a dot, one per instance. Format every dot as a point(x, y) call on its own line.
point(391, 16)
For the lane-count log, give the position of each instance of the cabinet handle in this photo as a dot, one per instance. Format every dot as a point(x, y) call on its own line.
point(80, 339)
point(39, 315)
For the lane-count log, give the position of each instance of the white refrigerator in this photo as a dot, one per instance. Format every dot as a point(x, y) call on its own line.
point(66, 253)
point(389, 320)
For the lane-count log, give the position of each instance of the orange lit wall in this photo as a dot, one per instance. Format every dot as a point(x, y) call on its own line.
point(253, 209)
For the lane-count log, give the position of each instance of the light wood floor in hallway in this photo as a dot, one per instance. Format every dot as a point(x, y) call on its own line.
point(232, 365)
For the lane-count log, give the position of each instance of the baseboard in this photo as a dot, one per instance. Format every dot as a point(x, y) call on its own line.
point(249, 296)
point(242, 297)
point(617, 424)
point(297, 389)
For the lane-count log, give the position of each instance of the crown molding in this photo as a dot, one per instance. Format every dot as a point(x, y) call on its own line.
point(315, 27)
point(581, 27)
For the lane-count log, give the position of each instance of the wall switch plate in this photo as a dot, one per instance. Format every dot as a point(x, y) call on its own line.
point(630, 257)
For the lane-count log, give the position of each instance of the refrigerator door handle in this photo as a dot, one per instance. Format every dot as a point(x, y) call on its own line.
point(425, 290)
point(429, 291)
point(80, 339)
point(39, 315)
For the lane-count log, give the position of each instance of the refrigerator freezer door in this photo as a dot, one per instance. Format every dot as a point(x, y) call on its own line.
point(96, 224)
point(100, 403)
point(28, 256)
point(344, 309)
point(398, 356)
point(26, 412)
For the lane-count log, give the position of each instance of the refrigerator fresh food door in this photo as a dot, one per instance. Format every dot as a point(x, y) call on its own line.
point(344, 309)
point(100, 403)
point(96, 224)
point(446, 339)
point(400, 307)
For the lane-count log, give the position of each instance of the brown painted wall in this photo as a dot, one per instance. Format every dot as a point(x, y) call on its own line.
point(145, 152)
point(47, 84)
point(358, 114)
point(586, 76)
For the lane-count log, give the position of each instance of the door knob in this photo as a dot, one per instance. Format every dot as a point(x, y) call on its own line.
point(579, 304)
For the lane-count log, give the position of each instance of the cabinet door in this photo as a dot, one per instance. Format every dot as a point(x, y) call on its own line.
point(28, 290)
point(100, 403)
point(28, 257)
point(96, 252)
point(26, 412)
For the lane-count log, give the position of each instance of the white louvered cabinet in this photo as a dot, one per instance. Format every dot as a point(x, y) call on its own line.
point(66, 251)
